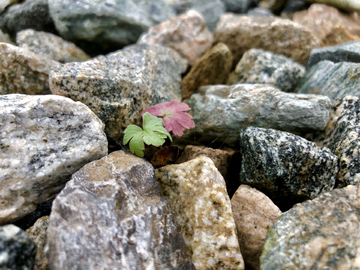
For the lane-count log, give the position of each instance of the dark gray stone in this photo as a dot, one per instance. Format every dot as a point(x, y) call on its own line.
point(292, 6)
point(237, 6)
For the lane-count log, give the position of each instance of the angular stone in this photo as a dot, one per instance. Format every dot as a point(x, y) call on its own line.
point(319, 234)
point(119, 86)
point(212, 68)
point(110, 216)
point(259, 66)
point(50, 46)
point(44, 139)
point(237, 6)
point(196, 193)
point(342, 4)
point(254, 213)
point(17, 250)
point(23, 72)
point(286, 167)
point(241, 33)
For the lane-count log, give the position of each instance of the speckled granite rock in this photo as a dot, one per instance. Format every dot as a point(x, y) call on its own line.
point(212, 68)
point(333, 80)
point(44, 139)
point(286, 167)
point(221, 111)
point(237, 6)
point(113, 208)
point(23, 72)
point(241, 33)
point(119, 86)
point(186, 33)
point(50, 46)
point(319, 234)
point(259, 66)
point(342, 4)
point(197, 194)
point(17, 250)
point(254, 213)
point(37, 233)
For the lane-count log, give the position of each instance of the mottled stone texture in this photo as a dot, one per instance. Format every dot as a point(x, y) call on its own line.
point(110, 216)
point(17, 250)
point(286, 167)
point(319, 234)
point(254, 213)
point(259, 66)
point(23, 72)
point(119, 86)
point(343, 4)
point(197, 194)
point(241, 33)
point(43, 140)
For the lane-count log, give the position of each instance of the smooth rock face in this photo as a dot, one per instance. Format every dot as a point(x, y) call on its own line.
point(212, 68)
point(333, 80)
point(44, 139)
point(286, 167)
point(23, 72)
point(17, 250)
point(119, 86)
point(343, 4)
point(110, 216)
point(254, 213)
point(281, 36)
point(222, 111)
point(197, 194)
point(259, 66)
point(319, 234)
point(50, 46)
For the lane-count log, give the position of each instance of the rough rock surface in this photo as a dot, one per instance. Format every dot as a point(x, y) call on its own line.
point(212, 68)
point(110, 216)
point(197, 194)
point(187, 34)
point(44, 139)
point(342, 4)
point(319, 234)
point(50, 46)
point(119, 86)
point(23, 72)
point(241, 33)
point(17, 250)
point(259, 66)
point(286, 167)
point(254, 213)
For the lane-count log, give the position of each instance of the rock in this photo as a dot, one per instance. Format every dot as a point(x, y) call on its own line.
point(222, 111)
point(259, 66)
point(197, 194)
point(107, 25)
point(23, 71)
point(212, 68)
point(319, 234)
point(119, 86)
point(260, 12)
point(44, 139)
point(274, 5)
point(5, 38)
point(110, 216)
point(347, 52)
point(281, 36)
point(5, 3)
point(293, 6)
point(50, 46)
point(286, 167)
point(37, 233)
point(187, 34)
point(342, 4)
point(332, 80)
point(254, 213)
point(17, 250)
point(237, 6)
point(331, 27)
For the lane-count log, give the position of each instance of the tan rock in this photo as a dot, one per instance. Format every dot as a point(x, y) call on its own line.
point(343, 4)
point(254, 213)
point(5, 38)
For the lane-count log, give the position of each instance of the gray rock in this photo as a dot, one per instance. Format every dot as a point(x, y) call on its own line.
point(5, 3)
point(44, 139)
point(259, 66)
point(286, 167)
point(17, 250)
point(292, 6)
point(260, 12)
point(119, 86)
point(333, 80)
point(237, 6)
point(110, 216)
point(319, 234)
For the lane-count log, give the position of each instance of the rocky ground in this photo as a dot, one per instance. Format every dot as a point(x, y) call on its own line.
point(269, 178)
